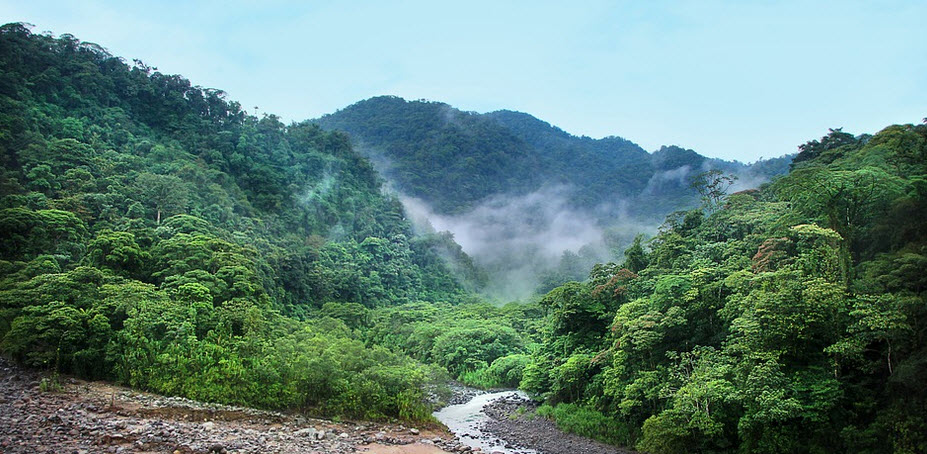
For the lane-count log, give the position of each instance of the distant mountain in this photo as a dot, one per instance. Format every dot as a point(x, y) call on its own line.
point(455, 160)
point(532, 204)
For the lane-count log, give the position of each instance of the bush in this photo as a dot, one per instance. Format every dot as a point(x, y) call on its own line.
point(588, 422)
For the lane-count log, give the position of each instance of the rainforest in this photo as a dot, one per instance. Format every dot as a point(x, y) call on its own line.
point(155, 235)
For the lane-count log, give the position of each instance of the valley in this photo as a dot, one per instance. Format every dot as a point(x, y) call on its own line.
point(177, 274)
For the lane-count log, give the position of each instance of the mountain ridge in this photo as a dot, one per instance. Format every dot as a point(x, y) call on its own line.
point(511, 152)
point(531, 203)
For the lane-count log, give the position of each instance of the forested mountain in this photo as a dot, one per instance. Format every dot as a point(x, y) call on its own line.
point(533, 205)
point(454, 160)
point(154, 233)
point(785, 319)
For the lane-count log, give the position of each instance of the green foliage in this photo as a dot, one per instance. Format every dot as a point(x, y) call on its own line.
point(454, 160)
point(504, 372)
point(781, 320)
point(153, 233)
point(51, 384)
point(479, 344)
point(587, 422)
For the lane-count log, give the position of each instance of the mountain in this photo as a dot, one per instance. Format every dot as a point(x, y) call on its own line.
point(783, 319)
point(532, 204)
point(454, 160)
point(153, 233)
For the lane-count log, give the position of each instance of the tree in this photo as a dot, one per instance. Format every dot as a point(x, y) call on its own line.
point(834, 139)
point(844, 200)
point(166, 193)
point(119, 252)
point(712, 186)
point(635, 258)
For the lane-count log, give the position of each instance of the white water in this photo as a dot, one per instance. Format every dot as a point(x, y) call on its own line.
point(465, 421)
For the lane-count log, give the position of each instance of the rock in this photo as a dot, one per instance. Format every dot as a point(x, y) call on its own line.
point(320, 435)
point(414, 431)
point(308, 432)
point(209, 425)
point(343, 435)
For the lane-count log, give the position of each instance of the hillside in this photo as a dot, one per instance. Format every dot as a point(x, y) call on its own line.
point(453, 160)
point(153, 233)
point(533, 205)
point(784, 319)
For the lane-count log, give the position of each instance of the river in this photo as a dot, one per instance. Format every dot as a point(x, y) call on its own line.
point(466, 421)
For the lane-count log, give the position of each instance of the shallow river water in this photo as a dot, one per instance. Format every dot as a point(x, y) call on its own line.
point(466, 421)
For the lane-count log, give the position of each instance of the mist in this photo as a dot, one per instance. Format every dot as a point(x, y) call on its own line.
point(527, 242)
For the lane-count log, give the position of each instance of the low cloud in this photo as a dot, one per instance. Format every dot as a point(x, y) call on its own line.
point(542, 221)
point(518, 238)
point(524, 242)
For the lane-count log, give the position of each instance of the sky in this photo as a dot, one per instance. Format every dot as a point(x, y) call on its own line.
point(730, 79)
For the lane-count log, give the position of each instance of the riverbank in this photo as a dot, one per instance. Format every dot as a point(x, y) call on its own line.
point(40, 415)
point(506, 422)
point(514, 420)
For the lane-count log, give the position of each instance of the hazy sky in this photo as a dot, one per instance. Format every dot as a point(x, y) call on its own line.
point(731, 79)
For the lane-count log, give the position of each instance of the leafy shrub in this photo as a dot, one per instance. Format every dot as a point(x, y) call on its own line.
point(587, 422)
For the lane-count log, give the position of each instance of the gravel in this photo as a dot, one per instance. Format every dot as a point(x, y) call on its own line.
point(514, 420)
point(94, 417)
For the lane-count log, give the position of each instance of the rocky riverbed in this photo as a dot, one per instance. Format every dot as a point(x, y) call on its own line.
point(506, 422)
point(42, 414)
point(513, 419)
point(82, 417)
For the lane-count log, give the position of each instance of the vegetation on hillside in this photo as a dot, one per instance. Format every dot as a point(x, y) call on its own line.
point(537, 205)
point(788, 320)
point(454, 160)
point(154, 233)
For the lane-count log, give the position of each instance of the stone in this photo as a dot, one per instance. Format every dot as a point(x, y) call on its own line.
point(414, 431)
point(308, 432)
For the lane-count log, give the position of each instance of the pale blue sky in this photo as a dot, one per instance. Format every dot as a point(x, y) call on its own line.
point(731, 79)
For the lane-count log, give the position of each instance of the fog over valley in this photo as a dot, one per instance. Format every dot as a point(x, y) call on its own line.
point(534, 206)
point(182, 270)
